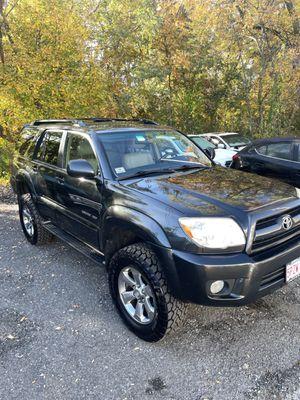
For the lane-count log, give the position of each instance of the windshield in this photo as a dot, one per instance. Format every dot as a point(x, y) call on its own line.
point(203, 143)
point(236, 140)
point(158, 151)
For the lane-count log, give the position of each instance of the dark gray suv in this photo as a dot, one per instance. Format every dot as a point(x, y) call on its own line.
point(170, 226)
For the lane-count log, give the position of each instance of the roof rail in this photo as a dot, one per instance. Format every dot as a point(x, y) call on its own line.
point(57, 122)
point(82, 121)
point(100, 119)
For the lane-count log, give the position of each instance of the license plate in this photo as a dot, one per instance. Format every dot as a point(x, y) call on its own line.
point(292, 270)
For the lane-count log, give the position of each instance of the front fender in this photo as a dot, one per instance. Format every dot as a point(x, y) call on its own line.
point(140, 224)
point(149, 231)
point(24, 178)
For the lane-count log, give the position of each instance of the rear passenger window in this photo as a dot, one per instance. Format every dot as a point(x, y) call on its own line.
point(49, 148)
point(280, 150)
point(262, 149)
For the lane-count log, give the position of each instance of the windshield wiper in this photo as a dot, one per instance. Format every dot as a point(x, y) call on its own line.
point(190, 166)
point(147, 172)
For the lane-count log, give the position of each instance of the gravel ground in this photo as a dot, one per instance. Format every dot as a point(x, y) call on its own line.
point(60, 337)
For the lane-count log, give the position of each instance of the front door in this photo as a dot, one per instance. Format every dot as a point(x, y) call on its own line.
point(47, 165)
point(80, 198)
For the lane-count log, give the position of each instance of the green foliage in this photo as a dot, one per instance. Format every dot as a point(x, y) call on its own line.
point(200, 66)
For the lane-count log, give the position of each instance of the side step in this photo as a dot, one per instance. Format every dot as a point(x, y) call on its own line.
point(85, 249)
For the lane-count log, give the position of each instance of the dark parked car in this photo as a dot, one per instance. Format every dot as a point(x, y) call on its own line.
point(277, 158)
point(170, 226)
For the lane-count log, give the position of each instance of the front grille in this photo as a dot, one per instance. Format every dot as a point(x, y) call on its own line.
point(273, 278)
point(269, 232)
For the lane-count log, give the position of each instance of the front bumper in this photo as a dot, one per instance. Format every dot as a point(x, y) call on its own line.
point(249, 277)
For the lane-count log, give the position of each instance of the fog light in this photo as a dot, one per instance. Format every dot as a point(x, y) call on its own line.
point(217, 287)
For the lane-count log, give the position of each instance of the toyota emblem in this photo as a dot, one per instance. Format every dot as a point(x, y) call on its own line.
point(287, 222)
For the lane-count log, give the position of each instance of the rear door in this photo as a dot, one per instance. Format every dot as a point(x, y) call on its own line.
point(46, 165)
point(80, 199)
point(276, 160)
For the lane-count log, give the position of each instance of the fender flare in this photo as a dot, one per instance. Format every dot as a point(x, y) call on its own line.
point(151, 232)
point(140, 224)
point(23, 177)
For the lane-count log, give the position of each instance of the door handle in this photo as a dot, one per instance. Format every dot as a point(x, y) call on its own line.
point(60, 180)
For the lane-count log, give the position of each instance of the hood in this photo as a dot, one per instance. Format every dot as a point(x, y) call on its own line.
point(214, 190)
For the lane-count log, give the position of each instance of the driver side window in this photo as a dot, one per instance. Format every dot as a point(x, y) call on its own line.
point(79, 148)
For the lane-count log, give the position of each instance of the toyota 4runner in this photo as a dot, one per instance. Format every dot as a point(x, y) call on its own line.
point(170, 226)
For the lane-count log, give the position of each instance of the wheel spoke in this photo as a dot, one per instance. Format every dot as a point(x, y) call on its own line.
point(26, 214)
point(139, 311)
point(28, 221)
point(149, 308)
point(137, 277)
point(148, 291)
point(127, 279)
point(127, 296)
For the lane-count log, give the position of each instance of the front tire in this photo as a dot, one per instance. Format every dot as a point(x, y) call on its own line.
point(141, 293)
point(31, 221)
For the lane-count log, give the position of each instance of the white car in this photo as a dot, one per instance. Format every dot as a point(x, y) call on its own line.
point(227, 140)
point(222, 156)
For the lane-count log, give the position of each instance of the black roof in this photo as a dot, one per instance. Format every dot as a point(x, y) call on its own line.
point(277, 139)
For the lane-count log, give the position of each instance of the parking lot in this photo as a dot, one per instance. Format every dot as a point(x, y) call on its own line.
point(60, 337)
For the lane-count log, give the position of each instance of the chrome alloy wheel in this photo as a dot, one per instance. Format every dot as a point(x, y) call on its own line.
point(28, 221)
point(136, 295)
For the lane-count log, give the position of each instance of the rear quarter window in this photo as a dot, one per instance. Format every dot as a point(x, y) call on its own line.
point(28, 142)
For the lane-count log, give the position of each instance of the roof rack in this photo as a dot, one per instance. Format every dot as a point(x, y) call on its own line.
point(82, 121)
point(57, 122)
point(141, 120)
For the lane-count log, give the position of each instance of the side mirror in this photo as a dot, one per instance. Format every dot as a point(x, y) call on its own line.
point(221, 146)
point(210, 152)
point(80, 169)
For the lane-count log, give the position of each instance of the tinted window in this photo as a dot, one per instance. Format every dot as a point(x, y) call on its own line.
point(48, 151)
point(79, 148)
point(262, 149)
point(280, 150)
point(28, 142)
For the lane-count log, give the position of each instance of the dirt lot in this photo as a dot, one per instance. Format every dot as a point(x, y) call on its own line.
point(60, 337)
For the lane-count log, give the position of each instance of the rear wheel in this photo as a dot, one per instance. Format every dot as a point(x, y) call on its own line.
point(31, 221)
point(141, 293)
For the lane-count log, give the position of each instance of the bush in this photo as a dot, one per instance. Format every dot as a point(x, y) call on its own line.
point(5, 152)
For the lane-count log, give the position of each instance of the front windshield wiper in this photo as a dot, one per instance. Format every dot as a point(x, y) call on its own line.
point(190, 166)
point(146, 172)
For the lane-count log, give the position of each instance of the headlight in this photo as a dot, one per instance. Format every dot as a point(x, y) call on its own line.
point(214, 233)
